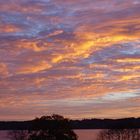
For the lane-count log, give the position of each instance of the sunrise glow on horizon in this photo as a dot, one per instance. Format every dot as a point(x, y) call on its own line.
point(77, 58)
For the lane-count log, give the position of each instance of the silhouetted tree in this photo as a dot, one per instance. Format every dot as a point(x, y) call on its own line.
point(53, 127)
point(119, 134)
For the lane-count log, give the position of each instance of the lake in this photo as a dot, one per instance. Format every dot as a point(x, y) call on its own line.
point(87, 134)
point(91, 134)
point(82, 134)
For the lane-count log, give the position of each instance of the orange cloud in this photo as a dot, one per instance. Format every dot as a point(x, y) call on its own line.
point(4, 72)
point(129, 60)
point(9, 28)
point(31, 45)
point(40, 66)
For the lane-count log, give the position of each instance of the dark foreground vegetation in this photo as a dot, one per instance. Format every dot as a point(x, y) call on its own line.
point(119, 134)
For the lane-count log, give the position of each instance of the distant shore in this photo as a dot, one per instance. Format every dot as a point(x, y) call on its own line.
point(124, 123)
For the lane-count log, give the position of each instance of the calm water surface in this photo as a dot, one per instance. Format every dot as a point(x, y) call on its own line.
point(87, 134)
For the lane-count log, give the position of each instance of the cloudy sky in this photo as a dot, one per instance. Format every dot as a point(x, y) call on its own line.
point(77, 58)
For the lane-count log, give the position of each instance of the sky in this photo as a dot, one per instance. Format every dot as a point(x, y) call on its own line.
point(77, 58)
